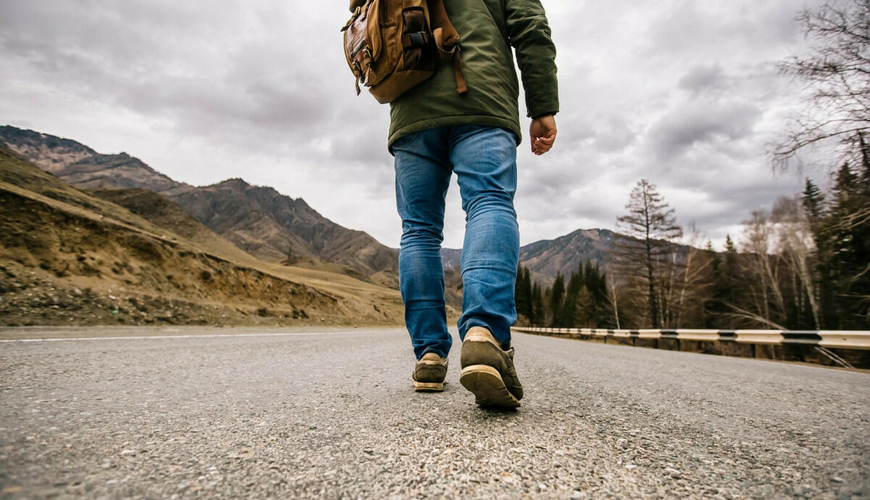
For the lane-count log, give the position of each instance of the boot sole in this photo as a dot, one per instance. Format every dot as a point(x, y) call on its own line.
point(487, 386)
point(429, 386)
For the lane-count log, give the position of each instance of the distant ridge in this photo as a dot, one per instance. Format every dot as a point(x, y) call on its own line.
point(83, 167)
point(266, 223)
point(563, 255)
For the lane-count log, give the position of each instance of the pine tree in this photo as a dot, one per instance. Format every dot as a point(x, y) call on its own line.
point(814, 205)
point(569, 308)
point(865, 163)
point(537, 310)
point(861, 230)
point(731, 271)
point(598, 310)
point(584, 309)
point(652, 226)
point(526, 292)
point(520, 298)
point(715, 306)
point(848, 265)
point(813, 201)
point(557, 299)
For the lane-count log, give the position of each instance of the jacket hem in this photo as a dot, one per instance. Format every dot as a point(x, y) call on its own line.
point(445, 121)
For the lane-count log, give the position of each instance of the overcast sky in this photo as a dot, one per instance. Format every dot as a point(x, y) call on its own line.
point(685, 93)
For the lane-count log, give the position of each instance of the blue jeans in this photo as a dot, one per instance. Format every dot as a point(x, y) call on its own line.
point(484, 160)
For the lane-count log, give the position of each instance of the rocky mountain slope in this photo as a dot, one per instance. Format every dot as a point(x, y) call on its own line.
point(85, 168)
point(167, 215)
point(564, 254)
point(275, 227)
point(68, 257)
point(259, 220)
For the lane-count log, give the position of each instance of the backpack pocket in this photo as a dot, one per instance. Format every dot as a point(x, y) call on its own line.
point(418, 48)
point(364, 43)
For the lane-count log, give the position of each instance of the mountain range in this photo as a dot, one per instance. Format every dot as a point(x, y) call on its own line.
point(274, 227)
point(130, 256)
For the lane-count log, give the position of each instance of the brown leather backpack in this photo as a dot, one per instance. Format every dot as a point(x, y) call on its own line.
point(393, 45)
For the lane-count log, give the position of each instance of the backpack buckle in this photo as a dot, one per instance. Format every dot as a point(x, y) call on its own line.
point(416, 40)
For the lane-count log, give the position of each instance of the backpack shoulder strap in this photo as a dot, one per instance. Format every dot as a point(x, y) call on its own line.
point(446, 38)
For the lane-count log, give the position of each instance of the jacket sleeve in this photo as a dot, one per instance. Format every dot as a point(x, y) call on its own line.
point(529, 34)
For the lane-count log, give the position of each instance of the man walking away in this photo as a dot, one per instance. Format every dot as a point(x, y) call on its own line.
point(435, 132)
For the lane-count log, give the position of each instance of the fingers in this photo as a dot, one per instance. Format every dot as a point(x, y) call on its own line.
point(541, 145)
point(547, 140)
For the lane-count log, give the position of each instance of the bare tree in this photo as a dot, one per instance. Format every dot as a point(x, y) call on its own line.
point(762, 272)
point(694, 286)
point(796, 249)
point(836, 72)
point(613, 298)
point(778, 280)
point(652, 228)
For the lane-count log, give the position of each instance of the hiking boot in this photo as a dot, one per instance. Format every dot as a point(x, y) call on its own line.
point(429, 373)
point(488, 370)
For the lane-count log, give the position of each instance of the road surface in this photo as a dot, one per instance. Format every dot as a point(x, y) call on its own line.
point(332, 414)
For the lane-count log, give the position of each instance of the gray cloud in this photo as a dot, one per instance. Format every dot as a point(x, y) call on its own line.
point(702, 124)
point(703, 78)
point(685, 93)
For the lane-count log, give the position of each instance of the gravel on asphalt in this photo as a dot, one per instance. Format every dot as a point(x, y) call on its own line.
point(333, 415)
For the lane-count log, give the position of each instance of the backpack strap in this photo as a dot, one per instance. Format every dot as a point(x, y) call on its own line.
point(446, 38)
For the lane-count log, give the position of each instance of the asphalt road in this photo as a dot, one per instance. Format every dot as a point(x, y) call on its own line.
point(333, 415)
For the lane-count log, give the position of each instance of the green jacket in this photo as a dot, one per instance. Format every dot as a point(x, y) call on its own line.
point(487, 30)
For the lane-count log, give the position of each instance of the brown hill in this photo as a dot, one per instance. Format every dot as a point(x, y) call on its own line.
point(83, 167)
point(167, 215)
point(119, 171)
point(275, 227)
point(259, 220)
point(69, 257)
point(48, 152)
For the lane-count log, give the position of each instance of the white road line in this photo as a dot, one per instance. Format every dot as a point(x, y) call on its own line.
point(158, 337)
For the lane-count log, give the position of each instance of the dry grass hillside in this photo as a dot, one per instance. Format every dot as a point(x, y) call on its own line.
point(68, 257)
point(257, 219)
point(275, 227)
point(165, 214)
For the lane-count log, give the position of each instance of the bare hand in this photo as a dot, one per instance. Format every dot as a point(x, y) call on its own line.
point(543, 134)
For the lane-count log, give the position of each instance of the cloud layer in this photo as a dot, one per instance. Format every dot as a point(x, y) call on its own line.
point(684, 93)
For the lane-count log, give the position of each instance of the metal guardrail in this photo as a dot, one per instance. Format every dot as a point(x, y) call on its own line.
point(837, 339)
